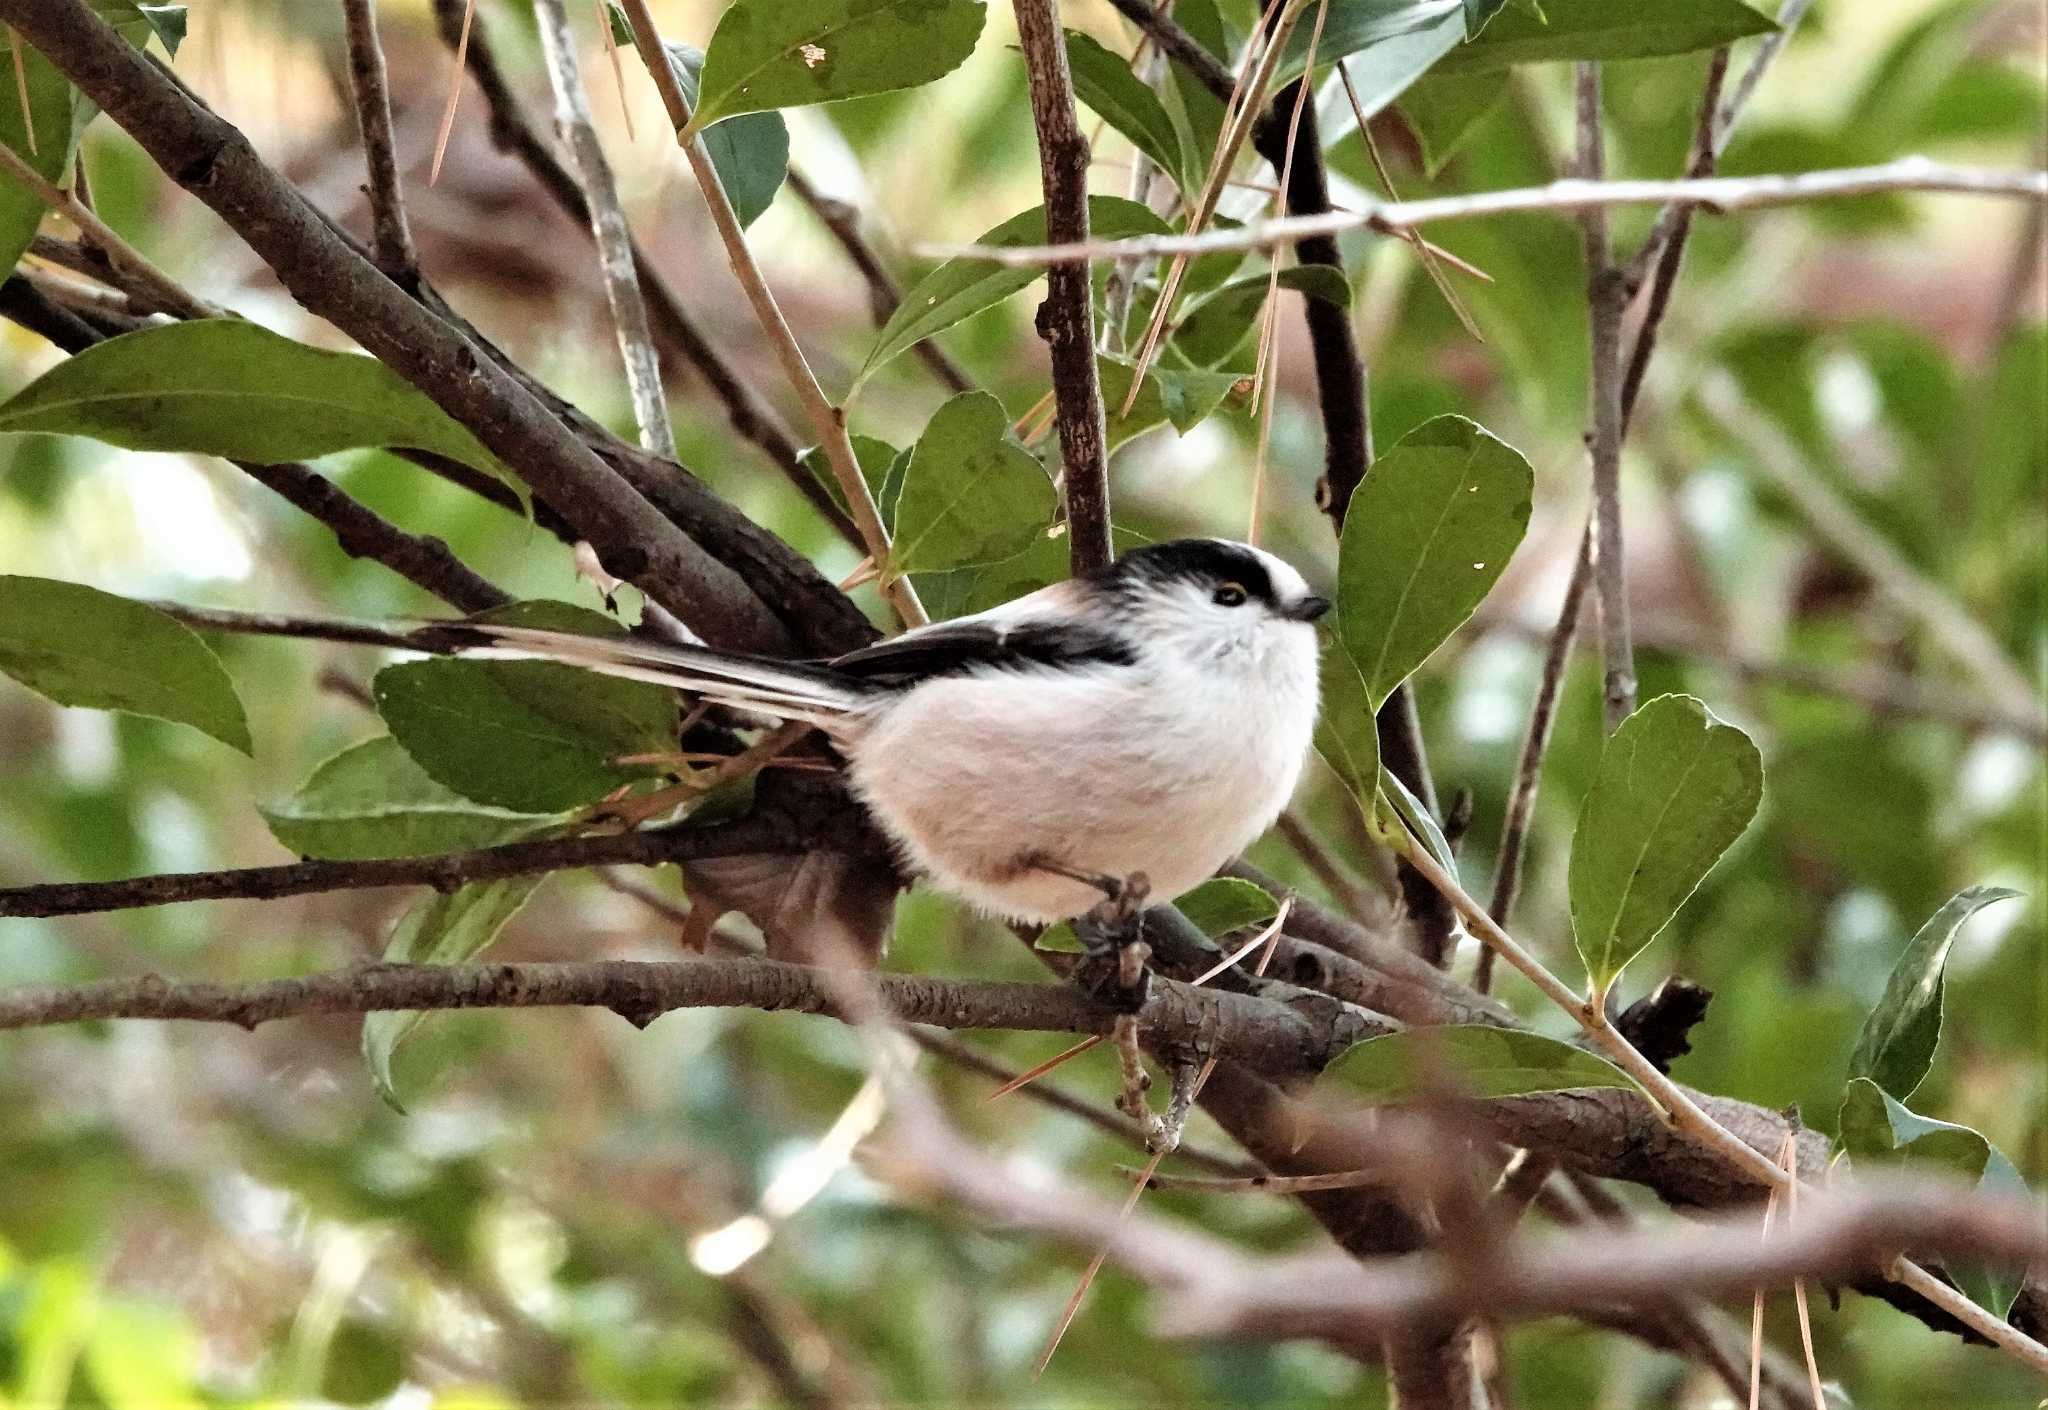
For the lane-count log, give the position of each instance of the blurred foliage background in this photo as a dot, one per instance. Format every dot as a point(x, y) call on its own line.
point(211, 1217)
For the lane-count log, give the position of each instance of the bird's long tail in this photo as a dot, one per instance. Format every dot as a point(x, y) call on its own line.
point(787, 688)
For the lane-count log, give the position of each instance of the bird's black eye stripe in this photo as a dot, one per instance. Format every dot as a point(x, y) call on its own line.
point(1230, 595)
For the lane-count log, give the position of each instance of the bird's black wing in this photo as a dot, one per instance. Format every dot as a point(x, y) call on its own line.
point(949, 648)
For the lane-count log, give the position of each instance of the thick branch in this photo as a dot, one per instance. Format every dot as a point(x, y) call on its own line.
point(673, 327)
point(1066, 320)
point(1274, 1037)
point(212, 159)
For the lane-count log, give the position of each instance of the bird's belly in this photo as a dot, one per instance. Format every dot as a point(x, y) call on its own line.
point(961, 775)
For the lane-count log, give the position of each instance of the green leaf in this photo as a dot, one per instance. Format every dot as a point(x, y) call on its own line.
point(875, 459)
point(137, 23)
point(971, 494)
point(220, 386)
point(439, 930)
point(1104, 82)
point(1446, 109)
point(750, 153)
point(1674, 789)
point(1224, 904)
point(1468, 1060)
point(1409, 813)
point(1897, 1043)
point(57, 125)
point(1384, 68)
point(1364, 25)
point(1216, 327)
point(1217, 907)
point(372, 800)
point(1428, 532)
point(1180, 396)
point(962, 287)
point(530, 736)
point(1876, 1129)
point(1602, 29)
point(1993, 1287)
point(773, 54)
point(1347, 734)
point(80, 646)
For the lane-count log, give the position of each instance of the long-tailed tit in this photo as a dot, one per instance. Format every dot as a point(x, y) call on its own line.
point(1149, 719)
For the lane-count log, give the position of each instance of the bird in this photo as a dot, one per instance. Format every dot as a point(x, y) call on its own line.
point(1146, 721)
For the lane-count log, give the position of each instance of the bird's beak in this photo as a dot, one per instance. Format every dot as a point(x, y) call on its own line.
point(1308, 609)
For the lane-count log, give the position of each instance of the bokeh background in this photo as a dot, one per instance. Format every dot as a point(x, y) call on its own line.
point(212, 1217)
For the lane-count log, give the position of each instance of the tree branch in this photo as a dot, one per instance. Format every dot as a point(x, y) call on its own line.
point(423, 561)
point(391, 238)
point(607, 227)
point(1606, 302)
point(214, 160)
point(444, 871)
point(1719, 195)
point(672, 325)
point(1066, 320)
point(1271, 1036)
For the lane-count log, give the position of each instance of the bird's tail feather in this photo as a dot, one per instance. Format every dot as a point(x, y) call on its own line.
point(787, 688)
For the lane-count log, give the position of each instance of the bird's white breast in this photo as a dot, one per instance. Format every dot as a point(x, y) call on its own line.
point(1167, 767)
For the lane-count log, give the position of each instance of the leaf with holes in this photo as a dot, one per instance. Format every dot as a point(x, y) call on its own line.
point(1468, 1060)
point(971, 494)
point(1104, 82)
point(79, 646)
point(1427, 533)
point(373, 800)
point(773, 54)
point(529, 736)
point(222, 386)
point(1897, 1043)
point(439, 930)
point(1674, 789)
point(962, 287)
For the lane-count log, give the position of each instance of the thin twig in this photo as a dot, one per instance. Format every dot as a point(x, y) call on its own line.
point(1720, 195)
point(1066, 319)
point(828, 423)
point(390, 236)
point(842, 221)
point(454, 93)
point(18, 47)
point(608, 226)
point(1606, 302)
point(158, 287)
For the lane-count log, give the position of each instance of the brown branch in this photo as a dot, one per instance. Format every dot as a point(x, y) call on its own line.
point(368, 82)
point(842, 222)
point(362, 533)
point(1270, 1036)
point(1842, 1236)
point(444, 871)
point(1066, 320)
point(672, 325)
point(1606, 303)
point(215, 161)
